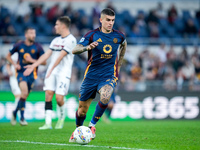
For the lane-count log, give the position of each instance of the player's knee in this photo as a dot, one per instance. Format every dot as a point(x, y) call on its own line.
point(59, 100)
point(82, 111)
point(48, 96)
point(105, 100)
point(24, 94)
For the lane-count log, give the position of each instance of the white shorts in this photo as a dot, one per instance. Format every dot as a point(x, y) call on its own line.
point(57, 83)
point(14, 86)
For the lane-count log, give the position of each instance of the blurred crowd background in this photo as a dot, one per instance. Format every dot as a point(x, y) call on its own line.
point(163, 43)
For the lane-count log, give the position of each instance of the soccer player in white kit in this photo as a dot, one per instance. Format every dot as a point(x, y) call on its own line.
point(12, 78)
point(59, 71)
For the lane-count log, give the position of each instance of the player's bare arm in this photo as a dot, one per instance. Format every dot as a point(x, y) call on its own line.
point(42, 59)
point(121, 55)
point(105, 93)
point(62, 54)
point(29, 59)
point(80, 48)
point(8, 57)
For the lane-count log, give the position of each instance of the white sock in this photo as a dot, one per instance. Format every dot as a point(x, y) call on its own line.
point(48, 117)
point(91, 124)
point(62, 112)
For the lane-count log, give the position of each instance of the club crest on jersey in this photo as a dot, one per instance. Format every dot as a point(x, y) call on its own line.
point(32, 51)
point(21, 50)
point(115, 40)
point(107, 48)
point(82, 39)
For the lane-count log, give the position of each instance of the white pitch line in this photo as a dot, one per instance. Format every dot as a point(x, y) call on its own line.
point(73, 145)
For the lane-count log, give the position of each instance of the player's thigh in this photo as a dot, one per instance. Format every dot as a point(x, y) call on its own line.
point(14, 86)
point(50, 83)
point(62, 85)
point(88, 89)
point(24, 88)
point(49, 95)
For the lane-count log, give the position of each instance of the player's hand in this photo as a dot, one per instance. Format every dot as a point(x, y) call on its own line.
point(28, 58)
point(17, 66)
point(92, 45)
point(29, 69)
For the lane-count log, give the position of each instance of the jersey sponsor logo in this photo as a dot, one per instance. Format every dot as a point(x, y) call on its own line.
point(107, 48)
point(21, 50)
point(115, 40)
point(32, 51)
point(99, 40)
point(106, 56)
point(82, 39)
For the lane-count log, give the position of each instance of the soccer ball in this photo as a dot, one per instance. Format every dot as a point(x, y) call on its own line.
point(82, 135)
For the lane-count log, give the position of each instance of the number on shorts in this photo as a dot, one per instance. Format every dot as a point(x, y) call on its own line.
point(62, 85)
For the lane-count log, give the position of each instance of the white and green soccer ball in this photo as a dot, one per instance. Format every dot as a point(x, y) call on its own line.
point(82, 135)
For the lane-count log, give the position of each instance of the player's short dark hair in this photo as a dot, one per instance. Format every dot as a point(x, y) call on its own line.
point(108, 11)
point(28, 28)
point(66, 20)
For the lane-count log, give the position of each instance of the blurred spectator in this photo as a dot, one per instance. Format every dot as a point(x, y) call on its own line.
point(36, 11)
point(6, 27)
point(160, 13)
point(152, 17)
point(110, 5)
point(135, 32)
point(68, 10)
point(196, 62)
point(169, 79)
point(153, 24)
point(140, 20)
point(95, 23)
point(190, 28)
point(136, 72)
point(172, 14)
point(21, 9)
point(186, 74)
point(74, 30)
point(96, 10)
point(53, 13)
point(162, 54)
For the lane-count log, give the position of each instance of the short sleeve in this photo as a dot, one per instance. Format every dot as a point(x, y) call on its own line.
point(51, 44)
point(41, 50)
point(69, 45)
point(85, 40)
point(14, 49)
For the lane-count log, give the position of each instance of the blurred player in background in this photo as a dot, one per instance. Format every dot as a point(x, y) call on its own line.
point(12, 78)
point(59, 71)
point(28, 52)
point(101, 75)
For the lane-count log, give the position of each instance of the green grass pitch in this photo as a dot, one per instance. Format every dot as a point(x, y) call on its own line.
point(136, 135)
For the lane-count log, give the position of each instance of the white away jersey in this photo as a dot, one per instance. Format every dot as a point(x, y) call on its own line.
point(67, 44)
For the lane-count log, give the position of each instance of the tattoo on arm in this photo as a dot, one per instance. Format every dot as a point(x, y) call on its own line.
point(122, 53)
point(79, 49)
